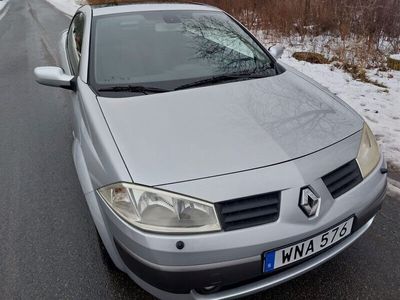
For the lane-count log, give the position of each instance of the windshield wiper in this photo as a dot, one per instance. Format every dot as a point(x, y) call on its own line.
point(219, 79)
point(134, 89)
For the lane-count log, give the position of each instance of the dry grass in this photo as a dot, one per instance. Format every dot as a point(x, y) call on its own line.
point(393, 64)
point(311, 57)
point(358, 73)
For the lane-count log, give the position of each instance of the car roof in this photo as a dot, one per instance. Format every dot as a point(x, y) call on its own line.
point(108, 9)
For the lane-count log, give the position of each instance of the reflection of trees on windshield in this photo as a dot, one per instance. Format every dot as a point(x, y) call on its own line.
point(171, 49)
point(219, 43)
point(285, 113)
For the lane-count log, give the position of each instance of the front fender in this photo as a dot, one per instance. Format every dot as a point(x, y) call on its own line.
point(93, 205)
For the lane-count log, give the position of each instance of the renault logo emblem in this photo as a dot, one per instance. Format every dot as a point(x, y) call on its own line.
point(309, 201)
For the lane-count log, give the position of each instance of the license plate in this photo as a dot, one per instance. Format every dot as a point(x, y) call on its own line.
point(282, 257)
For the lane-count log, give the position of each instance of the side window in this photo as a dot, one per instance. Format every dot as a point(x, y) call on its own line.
point(74, 42)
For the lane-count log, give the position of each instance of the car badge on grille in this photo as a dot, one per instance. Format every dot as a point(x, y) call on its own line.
point(309, 201)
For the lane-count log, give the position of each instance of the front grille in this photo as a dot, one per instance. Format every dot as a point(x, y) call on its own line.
point(249, 211)
point(343, 179)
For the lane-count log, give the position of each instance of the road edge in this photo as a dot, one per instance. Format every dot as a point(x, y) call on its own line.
point(68, 7)
point(4, 5)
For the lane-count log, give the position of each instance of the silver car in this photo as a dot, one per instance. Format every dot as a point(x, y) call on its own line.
point(211, 170)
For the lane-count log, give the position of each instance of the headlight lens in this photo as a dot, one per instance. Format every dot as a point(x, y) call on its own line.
point(368, 154)
point(160, 211)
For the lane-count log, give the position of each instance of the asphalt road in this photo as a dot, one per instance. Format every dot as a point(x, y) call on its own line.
point(48, 243)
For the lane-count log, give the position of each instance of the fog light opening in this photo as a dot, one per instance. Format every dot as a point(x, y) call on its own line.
point(209, 289)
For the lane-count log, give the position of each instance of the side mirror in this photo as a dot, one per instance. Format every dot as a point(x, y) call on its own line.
point(276, 51)
point(54, 76)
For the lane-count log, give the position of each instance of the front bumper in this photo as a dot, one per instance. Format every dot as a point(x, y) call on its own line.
point(167, 280)
point(232, 260)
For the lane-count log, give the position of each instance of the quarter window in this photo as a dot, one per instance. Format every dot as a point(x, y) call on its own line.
point(74, 43)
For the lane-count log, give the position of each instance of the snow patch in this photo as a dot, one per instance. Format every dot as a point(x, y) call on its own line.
point(352, 50)
point(3, 4)
point(395, 56)
point(69, 7)
point(393, 189)
point(3, 8)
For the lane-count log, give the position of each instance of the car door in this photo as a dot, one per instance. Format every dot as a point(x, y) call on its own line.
point(87, 114)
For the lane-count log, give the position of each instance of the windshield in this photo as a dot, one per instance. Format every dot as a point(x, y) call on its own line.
point(171, 49)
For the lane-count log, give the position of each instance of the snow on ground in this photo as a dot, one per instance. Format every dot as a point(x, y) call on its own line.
point(2, 4)
point(353, 49)
point(395, 56)
point(68, 7)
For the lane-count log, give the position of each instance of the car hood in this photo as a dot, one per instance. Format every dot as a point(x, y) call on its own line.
point(227, 128)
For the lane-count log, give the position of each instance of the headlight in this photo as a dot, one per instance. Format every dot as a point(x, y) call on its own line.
point(368, 154)
point(160, 211)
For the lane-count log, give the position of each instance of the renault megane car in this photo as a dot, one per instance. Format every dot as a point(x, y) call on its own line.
point(210, 169)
